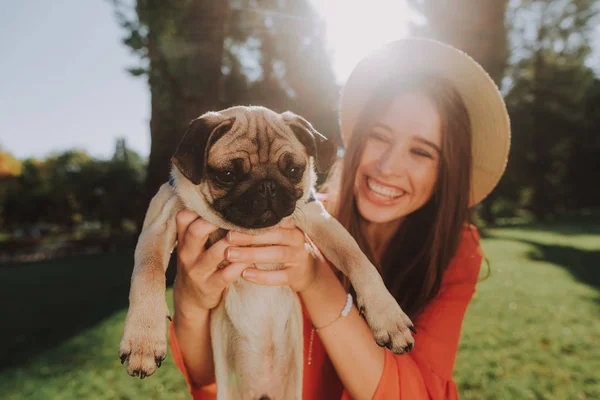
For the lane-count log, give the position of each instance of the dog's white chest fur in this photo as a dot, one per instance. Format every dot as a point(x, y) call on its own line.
point(257, 337)
point(259, 311)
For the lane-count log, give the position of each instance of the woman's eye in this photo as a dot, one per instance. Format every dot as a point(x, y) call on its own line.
point(226, 176)
point(422, 153)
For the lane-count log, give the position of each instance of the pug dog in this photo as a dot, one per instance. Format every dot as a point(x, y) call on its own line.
point(248, 169)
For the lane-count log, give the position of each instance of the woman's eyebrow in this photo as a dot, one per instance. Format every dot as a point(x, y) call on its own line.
point(383, 126)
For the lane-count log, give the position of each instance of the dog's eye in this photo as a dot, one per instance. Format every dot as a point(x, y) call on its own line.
point(225, 176)
point(294, 172)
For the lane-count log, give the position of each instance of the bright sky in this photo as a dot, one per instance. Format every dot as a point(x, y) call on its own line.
point(63, 81)
point(360, 26)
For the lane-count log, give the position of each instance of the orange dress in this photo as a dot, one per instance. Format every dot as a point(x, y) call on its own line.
point(425, 372)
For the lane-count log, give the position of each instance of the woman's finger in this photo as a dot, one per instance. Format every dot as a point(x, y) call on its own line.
point(226, 275)
point(265, 255)
point(277, 277)
point(215, 254)
point(183, 219)
point(279, 235)
point(195, 238)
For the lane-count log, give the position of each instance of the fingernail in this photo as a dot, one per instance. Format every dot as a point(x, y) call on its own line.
point(248, 273)
point(231, 236)
point(232, 253)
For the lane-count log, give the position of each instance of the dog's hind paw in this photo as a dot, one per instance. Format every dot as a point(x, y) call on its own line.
point(390, 325)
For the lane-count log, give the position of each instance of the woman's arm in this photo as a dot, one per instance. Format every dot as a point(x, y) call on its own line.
point(348, 341)
point(193, 339)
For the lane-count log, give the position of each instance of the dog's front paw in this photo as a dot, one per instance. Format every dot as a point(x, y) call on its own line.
point(391, 327)
point(144, 345)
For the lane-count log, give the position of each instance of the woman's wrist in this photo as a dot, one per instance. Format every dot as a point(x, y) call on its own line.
point(190, 314)
point(325, 298)
point(343, 313)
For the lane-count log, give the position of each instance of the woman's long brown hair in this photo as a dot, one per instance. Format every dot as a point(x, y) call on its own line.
point(419, 252)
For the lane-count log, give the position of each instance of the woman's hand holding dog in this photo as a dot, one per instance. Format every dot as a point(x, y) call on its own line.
point(283, 244)
point(200, 283)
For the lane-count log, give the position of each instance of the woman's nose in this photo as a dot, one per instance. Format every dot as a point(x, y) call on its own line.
point(390, 163)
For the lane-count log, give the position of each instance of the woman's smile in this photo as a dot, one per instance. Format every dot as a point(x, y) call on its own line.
point(380, 193)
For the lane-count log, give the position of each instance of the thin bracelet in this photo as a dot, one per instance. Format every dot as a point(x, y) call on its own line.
point(345, 311)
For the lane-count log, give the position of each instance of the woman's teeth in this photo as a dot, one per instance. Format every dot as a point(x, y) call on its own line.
point(384, 191)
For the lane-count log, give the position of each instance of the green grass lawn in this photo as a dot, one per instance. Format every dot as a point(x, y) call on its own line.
point(531, 331)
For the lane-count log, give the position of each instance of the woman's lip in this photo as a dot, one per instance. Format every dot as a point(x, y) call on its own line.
point(375, 199)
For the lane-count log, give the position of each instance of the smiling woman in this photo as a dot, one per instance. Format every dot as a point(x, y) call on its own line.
point(406, 169)
point(426, 138)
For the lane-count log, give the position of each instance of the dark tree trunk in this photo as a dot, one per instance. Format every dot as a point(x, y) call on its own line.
point(185, 80)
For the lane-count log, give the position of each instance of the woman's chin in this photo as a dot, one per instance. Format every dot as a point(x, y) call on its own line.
point(375, 214)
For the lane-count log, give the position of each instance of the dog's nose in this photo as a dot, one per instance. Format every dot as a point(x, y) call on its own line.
point(264, 398)
point(268, 188)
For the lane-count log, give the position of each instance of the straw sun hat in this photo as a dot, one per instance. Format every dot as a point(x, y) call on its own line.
point(489, 119)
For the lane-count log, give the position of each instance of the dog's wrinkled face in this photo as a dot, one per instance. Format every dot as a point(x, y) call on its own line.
point(252, 165)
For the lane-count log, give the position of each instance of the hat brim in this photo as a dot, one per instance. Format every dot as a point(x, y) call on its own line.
point(490, 123)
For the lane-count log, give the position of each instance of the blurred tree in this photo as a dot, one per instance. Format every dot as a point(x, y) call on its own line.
point(70, 187)
point(10, 169)
point(9, 165)
point(478, 28)
point(180, 43)
point(582, 191)
point(123, 187)
point(45, 191)
point(24, 198)
point(110, 191)
point(276, 57)
point(475, 26)
point(60, 174)
point(548, 85)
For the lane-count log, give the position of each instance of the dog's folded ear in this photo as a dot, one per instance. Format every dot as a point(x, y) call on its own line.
point(191, 152)
point(317, 145)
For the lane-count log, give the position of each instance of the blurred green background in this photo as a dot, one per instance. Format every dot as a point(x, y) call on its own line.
point(69, 216)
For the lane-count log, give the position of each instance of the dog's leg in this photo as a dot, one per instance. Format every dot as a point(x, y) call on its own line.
point(257, 343)
point(220, 328)
point(390, 325)
point(144, 342)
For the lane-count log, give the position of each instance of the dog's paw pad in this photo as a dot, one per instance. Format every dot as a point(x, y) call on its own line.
point(143, 355)
point(391, 327)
